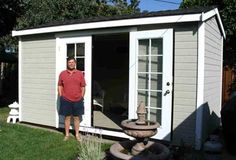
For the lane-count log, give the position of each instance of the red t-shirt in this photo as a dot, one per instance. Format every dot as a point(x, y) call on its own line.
point(72, 84)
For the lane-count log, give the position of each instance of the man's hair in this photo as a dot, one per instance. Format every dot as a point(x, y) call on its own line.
point(71, 58)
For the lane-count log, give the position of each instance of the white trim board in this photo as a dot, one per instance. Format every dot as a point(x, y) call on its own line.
point(111, 23)
point(209, 14)
point(20, 78)
point(94, 130)
point(95, 32)
point(200, 85)
point(124, 23)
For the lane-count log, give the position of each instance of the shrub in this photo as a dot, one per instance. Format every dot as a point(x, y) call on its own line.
point(91, 148)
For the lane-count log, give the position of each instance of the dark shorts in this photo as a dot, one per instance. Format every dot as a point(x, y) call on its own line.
point(68, 108)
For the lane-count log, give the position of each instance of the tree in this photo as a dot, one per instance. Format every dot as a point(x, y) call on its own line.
point(227, 9)
point(39, 12)
point(22, 14)
point(10, 10)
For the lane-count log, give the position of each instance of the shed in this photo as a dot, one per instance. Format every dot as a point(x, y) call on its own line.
point(171, 60)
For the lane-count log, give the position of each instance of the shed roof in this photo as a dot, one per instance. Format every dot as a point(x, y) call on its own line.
point(168, 16)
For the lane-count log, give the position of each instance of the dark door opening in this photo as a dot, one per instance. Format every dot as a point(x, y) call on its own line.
point(110, 79)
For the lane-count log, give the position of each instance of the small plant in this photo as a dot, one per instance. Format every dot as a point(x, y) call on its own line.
point(91, 148)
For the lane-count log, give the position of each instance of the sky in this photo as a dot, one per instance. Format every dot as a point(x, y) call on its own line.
point(158, 5)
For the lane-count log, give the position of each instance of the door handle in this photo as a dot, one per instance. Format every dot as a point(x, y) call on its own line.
point(167, 92)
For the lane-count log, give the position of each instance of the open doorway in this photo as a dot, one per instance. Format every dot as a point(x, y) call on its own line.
point(110, 79)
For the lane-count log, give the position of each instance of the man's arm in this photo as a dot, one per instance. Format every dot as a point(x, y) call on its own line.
point(83, 91)
point(60, 88)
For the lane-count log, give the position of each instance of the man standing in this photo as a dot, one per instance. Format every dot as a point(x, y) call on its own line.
point(71, 89)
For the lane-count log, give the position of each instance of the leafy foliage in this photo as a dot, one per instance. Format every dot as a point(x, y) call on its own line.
point(8, 41)
point(10, 10)
point(21, 14)
point(37, 12)
point(227, 9)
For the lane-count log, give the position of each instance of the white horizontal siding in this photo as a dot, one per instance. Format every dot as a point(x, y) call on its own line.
point(185, 79)
point(185, 95)
point(38, 80)
point(186, 44)
point(182, 73)
point(182, 80)
point(185, 66)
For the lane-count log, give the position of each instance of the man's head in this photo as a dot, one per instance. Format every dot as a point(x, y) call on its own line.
point(71, 63)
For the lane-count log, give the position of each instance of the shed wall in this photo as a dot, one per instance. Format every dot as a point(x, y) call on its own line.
point(212, 73)
point(38, 80)
point(185, 84)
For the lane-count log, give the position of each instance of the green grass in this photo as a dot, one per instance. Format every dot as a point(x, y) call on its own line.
point(18, 142)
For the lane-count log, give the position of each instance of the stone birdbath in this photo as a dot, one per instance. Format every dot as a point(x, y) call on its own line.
point(140, 148)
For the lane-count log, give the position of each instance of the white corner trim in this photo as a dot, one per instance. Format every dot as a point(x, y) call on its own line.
point(111, 23)
point(20, 78)
point(57, 71)
point(200, 85)
point(221, 71)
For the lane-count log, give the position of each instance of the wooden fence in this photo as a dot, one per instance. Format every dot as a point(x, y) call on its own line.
point(228, 77)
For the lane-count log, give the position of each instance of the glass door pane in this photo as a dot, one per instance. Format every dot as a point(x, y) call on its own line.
point(77, 51)
point(150, 76)
point(70, 50)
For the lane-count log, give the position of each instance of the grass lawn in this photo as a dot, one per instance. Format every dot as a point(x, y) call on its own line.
point(18, 142)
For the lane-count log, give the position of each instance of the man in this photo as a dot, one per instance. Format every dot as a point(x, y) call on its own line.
point(71, 89)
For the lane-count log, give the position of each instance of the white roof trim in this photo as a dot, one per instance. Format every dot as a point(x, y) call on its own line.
point(212, 13)
point(124, 23)
point(111, 23)
point(220, 22)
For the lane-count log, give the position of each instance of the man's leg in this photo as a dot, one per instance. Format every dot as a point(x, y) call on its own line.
point(77, 125)
point(67, 125)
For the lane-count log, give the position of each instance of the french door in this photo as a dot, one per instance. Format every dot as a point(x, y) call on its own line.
point(151, 62)
point(80, 49)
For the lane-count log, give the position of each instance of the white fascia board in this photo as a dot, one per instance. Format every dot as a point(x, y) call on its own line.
point(112, 23)
point(220, 22)
point(212, 13)
point(208, 15)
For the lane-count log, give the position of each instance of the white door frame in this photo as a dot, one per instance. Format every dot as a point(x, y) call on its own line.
point(167, 34)
point(61, 65)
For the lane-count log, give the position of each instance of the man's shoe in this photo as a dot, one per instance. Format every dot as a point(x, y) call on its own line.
point(78, 138)
point(66, 138)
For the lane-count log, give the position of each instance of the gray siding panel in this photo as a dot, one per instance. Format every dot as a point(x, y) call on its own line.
point(38, 79)
point(185, 79)
point(212, 76)
point(213, 60)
